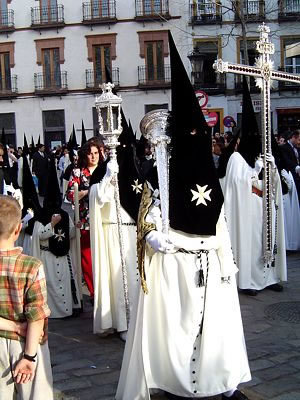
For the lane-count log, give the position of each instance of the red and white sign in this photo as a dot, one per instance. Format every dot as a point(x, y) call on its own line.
point(202, 98)
point(211, 119)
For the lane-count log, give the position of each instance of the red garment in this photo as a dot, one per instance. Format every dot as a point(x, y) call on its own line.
point(86, 260)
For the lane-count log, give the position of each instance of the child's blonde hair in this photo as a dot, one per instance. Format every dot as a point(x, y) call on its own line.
point(10, 216)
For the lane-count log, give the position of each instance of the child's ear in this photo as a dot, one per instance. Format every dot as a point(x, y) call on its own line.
point(18, 229)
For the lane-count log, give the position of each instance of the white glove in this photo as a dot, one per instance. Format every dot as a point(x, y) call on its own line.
point(8, 189)
point(271, 160)
point(28, 216)
point(160, 242)
point(287, 179)
point(258, 165)
point(112, 168)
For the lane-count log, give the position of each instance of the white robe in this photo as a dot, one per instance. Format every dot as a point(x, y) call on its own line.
point(109, 305)
point(291, 215)
point(244, 215)
point(164, 348)
point(57, 271)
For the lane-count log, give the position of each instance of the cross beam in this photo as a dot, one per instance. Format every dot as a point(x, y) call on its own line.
point(264, 73)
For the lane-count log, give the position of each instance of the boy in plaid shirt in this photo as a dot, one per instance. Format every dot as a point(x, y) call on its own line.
point(24, 357)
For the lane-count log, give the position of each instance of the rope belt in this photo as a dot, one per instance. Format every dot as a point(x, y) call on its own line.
point(201, 281)
point(45, 248)
point(123, 223)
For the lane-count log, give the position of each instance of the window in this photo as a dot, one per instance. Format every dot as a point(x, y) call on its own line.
point(48, 10)
point(291, 55)
point(154, 61)
point(151, 107)
point(54, 127)
point(51, 68)
point(100, 8)
point(252, 55)
point(7, 121)
point(151, 7)
point(3, 13)
point(5, 79)
point(101, 61)
point(202, 59)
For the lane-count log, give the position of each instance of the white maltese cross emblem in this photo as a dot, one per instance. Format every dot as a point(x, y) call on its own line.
point(60, 235)
point(137, 187)
point(201, 195)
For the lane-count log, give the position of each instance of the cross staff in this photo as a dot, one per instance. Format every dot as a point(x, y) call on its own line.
point(263, 70)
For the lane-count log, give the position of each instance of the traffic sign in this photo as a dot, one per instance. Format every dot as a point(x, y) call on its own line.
point(202, 98)
point(228, 121)
point(211, 119)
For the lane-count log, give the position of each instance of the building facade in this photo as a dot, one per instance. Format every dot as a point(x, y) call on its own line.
point(54, 54)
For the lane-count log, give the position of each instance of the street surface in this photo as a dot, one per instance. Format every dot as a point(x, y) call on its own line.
point(87, 367)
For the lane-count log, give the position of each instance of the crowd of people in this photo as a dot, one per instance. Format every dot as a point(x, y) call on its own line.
point(169, 290)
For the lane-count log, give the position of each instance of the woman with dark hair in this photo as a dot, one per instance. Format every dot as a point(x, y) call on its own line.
point(90, 156)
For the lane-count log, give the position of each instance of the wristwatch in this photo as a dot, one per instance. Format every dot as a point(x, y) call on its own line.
point(30, 358)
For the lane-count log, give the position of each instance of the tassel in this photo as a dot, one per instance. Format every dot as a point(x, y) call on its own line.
point(201, 278)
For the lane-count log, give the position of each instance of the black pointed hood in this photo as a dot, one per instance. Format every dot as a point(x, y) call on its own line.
point(74, 143)
point(250, 144)
point(30, 197)
point(25, 147)
point(39, 141)
point(192, 169)
point(53, 199)
point(83, 135)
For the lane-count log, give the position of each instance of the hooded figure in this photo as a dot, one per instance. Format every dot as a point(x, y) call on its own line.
point(186, 336)
point(54, 244)
point(243, 194)
point(109, 304)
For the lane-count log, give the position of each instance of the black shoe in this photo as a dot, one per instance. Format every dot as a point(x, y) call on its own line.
point(276, 287)
point(249, 292)
point(237, 395)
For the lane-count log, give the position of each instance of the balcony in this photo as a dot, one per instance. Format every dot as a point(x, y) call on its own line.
point(96, 78)
point(238, 85)
point(254, 11)
point(51, 84)
point(151, 10)
point(205, 13)
point(8, 87)
point(289, 10)
point(211, 83)
point(154, 78)
point(289, 85)
point(99, 12)
point(47, 17)
point(7, 21)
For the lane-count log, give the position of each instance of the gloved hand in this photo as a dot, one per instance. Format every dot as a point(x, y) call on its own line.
point(258, 165)
point(28, 216)
point(271, 160)
point(287, 179)
point(160, 242)
point(112, 168)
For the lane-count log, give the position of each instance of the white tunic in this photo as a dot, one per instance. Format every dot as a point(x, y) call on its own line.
point(165, 348)
point(109, 305)
point(58, 272)
point(244, 215)
point(291, 215)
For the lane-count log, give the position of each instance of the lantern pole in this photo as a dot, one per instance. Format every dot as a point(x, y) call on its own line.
point(111, 132)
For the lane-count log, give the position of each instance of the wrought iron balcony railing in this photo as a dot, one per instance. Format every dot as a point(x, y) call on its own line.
point(289, 85)
point(99, 11)
point(211, 83)
point(254, 10)
point(154, 77)
point(7, 20)
point(51, 83)
point(205, 13)
point(47, 16)
point(289, 10)
point(95, 78)
point(151, 9)
point(8, 86)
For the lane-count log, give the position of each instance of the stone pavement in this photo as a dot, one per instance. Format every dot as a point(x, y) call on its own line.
point(86, 367)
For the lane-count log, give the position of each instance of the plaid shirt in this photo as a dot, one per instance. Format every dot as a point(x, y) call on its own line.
point(82, 177)
point(23, 292)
